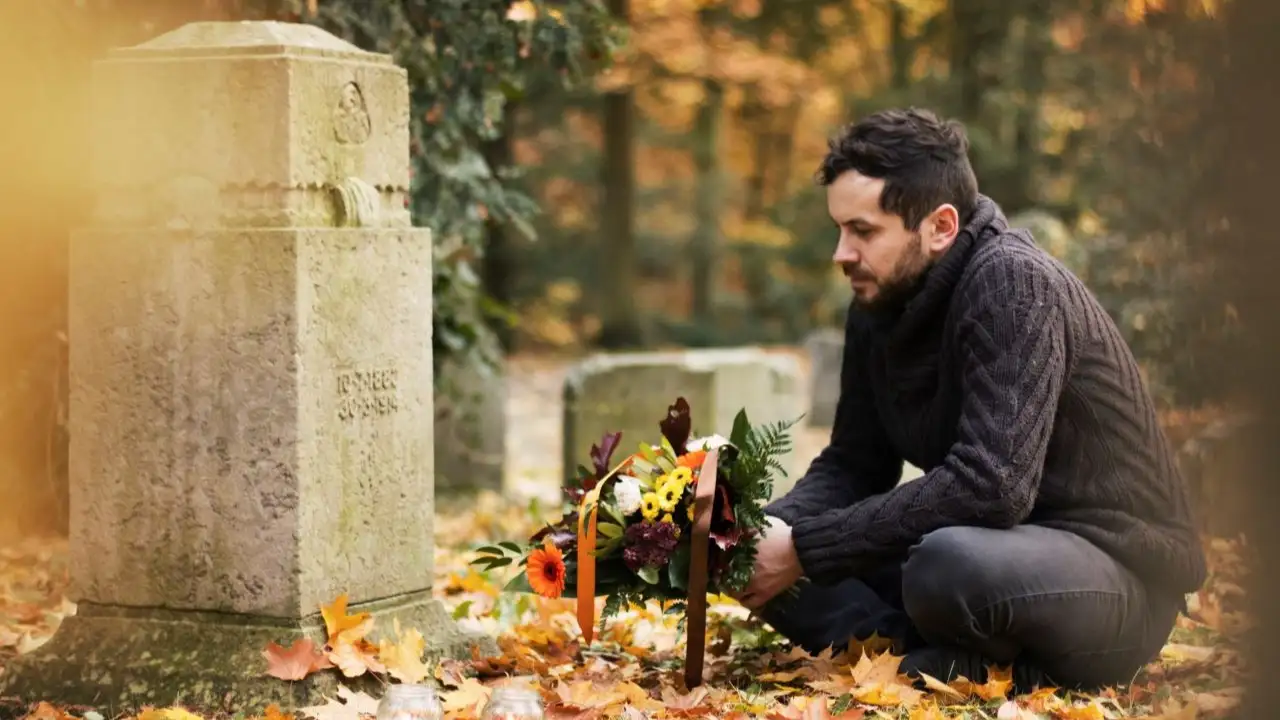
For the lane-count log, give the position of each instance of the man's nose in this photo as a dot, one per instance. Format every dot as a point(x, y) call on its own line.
point(846, 255)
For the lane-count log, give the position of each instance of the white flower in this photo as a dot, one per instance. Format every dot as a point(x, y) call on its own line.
point(626, 492)
point(708, 443)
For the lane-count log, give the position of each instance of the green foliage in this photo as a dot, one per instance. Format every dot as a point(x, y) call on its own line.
point(466, 63)
point(750, 475)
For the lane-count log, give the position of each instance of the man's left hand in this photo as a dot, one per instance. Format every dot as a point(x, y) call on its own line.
point(777, 566)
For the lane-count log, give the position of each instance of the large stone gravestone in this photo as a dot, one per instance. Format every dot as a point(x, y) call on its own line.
point(630, 392)
point(251, 375)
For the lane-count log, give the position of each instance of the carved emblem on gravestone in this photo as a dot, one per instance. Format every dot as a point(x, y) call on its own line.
point(351, 125)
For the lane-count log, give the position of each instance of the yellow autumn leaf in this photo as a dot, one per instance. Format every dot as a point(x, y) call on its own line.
point(403, 657)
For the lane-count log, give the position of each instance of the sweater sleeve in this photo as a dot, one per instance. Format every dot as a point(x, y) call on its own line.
point(859, 460)
point(1010, 352)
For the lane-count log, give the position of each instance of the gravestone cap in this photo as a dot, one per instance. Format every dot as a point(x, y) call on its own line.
point(249, 124)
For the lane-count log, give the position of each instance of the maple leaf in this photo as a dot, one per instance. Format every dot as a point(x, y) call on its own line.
point(470, 695)
point(997, 686)
point(46, 711)
point(356, 658)
point(1011, 710)
point(341, 626)
point(872, 682)
point(347, 706)
point(403, 658)
point(295, 663)
point(812, 708)
point(927, 710)
point(942, 688)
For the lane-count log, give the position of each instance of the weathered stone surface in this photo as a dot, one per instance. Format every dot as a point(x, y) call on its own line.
point(825, 349)
point(631, 392)
point(248, 124)
point(110, 658)
point(470, 430)
point(251, 386)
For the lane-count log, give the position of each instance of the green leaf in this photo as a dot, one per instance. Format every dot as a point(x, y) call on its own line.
point(519, 583)
point(678, 568)
point(490, 550)
point(609, 530)
point(512, 547)
point(463, 610)
point(649, 574)
point(741, 429)
point(644, 466)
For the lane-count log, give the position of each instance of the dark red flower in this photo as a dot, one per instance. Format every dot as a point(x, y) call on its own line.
point(677, 425)
point(649, 543)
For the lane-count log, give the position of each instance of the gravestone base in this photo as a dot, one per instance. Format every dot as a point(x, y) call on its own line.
point(116, 659)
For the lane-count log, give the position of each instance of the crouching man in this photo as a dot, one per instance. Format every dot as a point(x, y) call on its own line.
point(1051, 530)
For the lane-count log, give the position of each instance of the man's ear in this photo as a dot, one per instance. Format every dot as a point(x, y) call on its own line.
point(941, 228)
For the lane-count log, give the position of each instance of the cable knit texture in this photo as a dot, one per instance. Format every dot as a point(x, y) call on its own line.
point(1007, 382)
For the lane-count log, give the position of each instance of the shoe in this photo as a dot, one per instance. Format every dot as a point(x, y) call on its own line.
point(948, 663)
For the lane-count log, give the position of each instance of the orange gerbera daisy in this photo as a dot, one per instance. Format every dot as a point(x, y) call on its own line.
point(545, 569)
point(692, 460)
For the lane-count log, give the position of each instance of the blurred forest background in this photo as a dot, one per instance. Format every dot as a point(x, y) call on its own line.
point(608, 174)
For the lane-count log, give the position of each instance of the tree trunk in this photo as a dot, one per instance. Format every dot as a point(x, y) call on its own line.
point(620, 325)
point(900, 46)
point(707, 211)
point(1037, 44)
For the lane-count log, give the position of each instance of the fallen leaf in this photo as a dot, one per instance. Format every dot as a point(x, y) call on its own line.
point(1080, 711)
point(46, 711)
point(347, 706)
point(403, 658)
point(340, 626)
point(941, 688)
point(471, 694)
point(1218, 702)
point(295, 663)
point(169, 713)
point(1011, 710)
point(999, 681)
point(273, 712)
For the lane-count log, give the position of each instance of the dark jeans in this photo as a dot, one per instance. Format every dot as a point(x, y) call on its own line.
point(1046, 602)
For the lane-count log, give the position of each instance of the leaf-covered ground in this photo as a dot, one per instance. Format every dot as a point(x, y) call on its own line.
point(635, 669)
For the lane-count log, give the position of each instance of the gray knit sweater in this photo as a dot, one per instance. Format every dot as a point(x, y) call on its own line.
point(1009, 385)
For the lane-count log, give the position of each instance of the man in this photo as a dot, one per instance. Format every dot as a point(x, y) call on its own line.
point(1051, 532)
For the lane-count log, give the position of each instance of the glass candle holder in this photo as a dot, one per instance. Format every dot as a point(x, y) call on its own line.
point(513, 703)
point(410, 702)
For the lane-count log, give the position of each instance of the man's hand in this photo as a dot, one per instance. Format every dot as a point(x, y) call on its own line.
point(777, 566)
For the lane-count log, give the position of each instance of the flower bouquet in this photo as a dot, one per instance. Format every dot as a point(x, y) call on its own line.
point(671, 522)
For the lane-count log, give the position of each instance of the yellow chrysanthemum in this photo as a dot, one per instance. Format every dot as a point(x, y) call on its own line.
point(682, 474)
point(661, 482)
point(649, 506)
point(669, 496)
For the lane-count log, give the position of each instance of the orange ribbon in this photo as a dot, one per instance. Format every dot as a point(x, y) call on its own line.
point(586, 555)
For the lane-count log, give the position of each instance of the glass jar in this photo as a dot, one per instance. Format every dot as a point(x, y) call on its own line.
point(410, 702)
point(513, 703)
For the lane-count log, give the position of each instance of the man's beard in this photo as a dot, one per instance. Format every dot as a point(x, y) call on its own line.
point(902, 284)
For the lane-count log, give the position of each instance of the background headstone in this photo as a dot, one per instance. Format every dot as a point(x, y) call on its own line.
point(630, 392)
point(251, 375)
point(470, 430)
point(825, 349)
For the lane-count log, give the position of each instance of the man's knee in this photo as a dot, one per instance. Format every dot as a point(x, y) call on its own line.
point(945, 578)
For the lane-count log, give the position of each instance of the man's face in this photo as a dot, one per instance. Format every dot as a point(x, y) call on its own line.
point(883, 260)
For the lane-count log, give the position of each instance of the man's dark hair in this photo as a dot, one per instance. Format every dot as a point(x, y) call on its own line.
point(923, 160)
